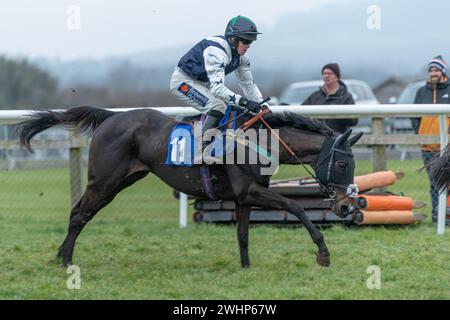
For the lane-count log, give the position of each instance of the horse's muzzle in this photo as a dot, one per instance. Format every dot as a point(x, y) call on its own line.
point(344, 210)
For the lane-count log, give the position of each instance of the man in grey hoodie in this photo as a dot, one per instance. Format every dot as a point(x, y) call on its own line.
point(334, 91)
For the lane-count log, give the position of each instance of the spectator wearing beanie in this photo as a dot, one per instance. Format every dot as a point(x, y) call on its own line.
point(334, 91)
point(435, 91)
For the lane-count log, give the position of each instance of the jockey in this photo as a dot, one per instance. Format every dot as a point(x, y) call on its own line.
point(199, 78)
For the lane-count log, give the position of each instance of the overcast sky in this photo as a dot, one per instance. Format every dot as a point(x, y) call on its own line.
point(52, 29)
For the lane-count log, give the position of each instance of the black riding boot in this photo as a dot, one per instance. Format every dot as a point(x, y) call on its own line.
point(210, 122)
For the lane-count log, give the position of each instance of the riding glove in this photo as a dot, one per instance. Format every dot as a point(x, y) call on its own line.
point(251, 106)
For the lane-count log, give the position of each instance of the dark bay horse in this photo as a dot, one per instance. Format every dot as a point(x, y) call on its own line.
point(126, 146)
point(440, 169)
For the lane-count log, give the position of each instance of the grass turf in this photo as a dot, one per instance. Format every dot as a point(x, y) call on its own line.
point(134, 249)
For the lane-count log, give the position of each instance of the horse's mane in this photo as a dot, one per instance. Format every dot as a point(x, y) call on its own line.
point(293, 120)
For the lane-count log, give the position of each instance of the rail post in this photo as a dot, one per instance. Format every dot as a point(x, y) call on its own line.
point(379, 162)
point(442, 207)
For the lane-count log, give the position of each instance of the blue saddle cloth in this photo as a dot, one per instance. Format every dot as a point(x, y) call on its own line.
point(182, 143)
point(181, 146)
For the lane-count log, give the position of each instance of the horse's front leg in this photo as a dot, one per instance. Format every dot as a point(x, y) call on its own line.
point(243, 221)
point(260, 196)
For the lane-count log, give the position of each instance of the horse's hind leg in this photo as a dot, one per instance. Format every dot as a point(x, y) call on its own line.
point(73, 212)
point(99, 193)
point(86, 208)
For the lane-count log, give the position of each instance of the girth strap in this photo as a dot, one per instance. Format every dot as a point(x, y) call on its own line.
point(205, 178)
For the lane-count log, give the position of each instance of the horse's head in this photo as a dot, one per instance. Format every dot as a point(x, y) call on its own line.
point(335, 170)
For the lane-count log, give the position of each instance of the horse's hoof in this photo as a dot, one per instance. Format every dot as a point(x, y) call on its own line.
point(245, 264)
point(323, 259)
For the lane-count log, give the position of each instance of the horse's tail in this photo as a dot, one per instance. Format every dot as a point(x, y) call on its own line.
point(440, 169)
point(80, 119)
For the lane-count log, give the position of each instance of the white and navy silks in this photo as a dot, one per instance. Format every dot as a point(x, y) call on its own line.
point(199, 78)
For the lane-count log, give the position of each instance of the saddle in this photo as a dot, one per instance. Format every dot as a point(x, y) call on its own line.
point(183, 145)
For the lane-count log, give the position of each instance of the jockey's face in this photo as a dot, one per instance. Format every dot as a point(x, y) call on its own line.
point(243, 46)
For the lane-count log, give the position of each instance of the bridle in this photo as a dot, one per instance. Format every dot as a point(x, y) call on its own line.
point(351, 190)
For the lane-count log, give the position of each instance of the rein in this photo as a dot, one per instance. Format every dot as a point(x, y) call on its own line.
point(331, 193)
point(351, 190)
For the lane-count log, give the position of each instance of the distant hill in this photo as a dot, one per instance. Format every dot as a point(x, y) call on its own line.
point(299, 44)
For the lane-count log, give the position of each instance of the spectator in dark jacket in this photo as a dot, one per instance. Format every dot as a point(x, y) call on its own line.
point(334, 91)
point(435, 91)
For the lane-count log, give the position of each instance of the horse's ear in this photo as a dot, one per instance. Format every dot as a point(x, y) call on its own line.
point(340, 140)
point(355, 138)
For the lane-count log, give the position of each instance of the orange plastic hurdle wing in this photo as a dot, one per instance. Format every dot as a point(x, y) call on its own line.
point(385, 202)
point(377, 179)
point(385, 217)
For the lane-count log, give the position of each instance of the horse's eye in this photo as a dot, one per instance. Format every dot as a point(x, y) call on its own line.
point(342, 164)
